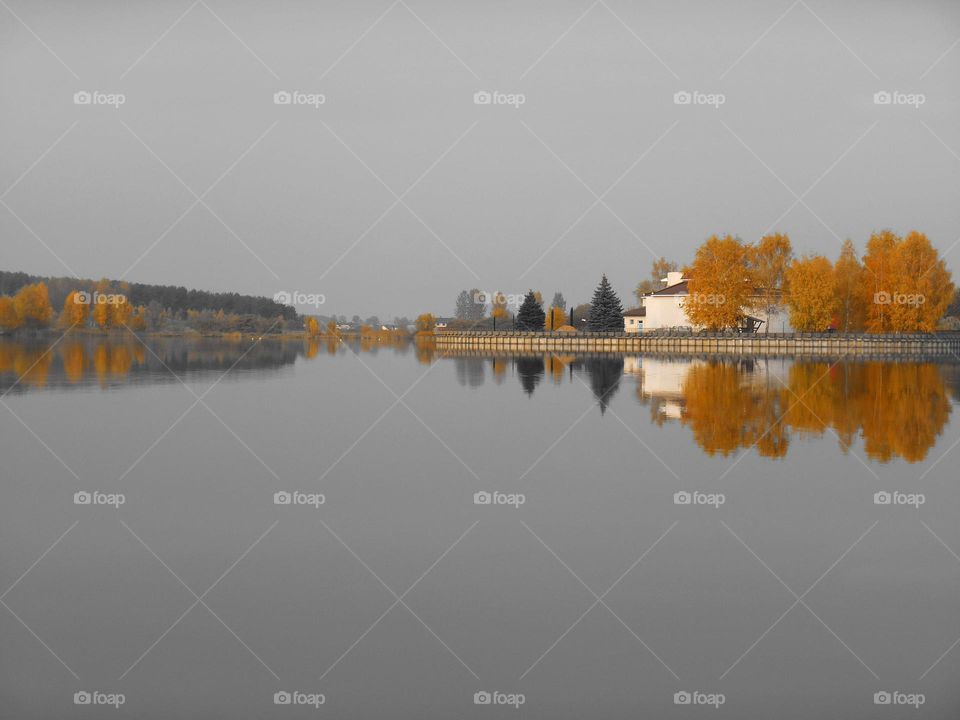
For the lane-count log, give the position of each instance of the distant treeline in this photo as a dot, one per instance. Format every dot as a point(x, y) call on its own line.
point(170, 297)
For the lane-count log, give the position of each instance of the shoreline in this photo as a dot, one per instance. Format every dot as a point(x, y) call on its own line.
point(772, 345)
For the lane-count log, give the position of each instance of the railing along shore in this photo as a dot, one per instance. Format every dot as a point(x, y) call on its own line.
point(815, 344)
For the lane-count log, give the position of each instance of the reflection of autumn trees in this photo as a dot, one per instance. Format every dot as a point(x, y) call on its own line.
point(725, 411)
point(77, 359)
point(898, 409)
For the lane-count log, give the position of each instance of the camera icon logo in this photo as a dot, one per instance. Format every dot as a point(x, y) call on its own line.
point(282, 498)
point(482, 498)
point(82, 498)
point(482, 698)
point(282, 698)
point(282, 97)
point(82, 698)
point(81, 298)
point(881, 298)
point(681, 698)
point(283, 298)
point(882, 98)
point(82, 98)
point(682, 98)
point(482, 97)
point(682, 498)
point(882, 698)
point(882, 498)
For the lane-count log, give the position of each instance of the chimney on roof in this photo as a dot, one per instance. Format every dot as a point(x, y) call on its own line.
point(672, 278)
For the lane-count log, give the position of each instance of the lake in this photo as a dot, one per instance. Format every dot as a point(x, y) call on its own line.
point(196, 525)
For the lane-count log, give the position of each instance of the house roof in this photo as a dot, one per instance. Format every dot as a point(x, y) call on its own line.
point(679, 288)
point(636, 312)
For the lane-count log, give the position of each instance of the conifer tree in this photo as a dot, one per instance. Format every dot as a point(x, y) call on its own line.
point(606, 312)
point(531, 316)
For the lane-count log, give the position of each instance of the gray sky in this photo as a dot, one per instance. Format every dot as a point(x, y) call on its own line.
point(304, 197)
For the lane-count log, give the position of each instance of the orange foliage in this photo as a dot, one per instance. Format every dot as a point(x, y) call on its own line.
point(720, 284)
point(9, 320)
point(32, 305)
point(898, 408)
point(75, 312)
point(812, 289)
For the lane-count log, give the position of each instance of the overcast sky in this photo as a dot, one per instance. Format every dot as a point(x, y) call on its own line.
point(399, 190)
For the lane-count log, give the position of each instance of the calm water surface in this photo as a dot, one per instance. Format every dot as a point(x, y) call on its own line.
point(781, 461)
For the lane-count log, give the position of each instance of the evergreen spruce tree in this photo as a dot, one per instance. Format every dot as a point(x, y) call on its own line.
point(464, 306)
point(606, 312)
point(531, 315)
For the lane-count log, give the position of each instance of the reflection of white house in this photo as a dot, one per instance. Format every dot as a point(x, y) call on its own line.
point(662, 380)
point(664, 308)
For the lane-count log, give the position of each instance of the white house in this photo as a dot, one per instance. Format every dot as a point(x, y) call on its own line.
point(664, 308)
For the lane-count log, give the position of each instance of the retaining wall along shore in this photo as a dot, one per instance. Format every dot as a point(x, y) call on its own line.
point(819, 344)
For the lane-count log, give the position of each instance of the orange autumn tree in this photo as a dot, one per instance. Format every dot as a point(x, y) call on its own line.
point(75, 311)
point(9, 320)
point(922, 287)
point(769, 260)
point(848, 278)
point(312, 327)
point(498, 310)
point(811, 291)
point(906, 286)
point(138, 321)
point(120, 311)
point(720, 285)
point(556, 317)
point(32, 304)
point(426, 323)
point(100, 311)
point(877, 280)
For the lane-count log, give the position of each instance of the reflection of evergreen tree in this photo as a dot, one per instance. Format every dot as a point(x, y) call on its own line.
point(604, 378)
point(470, 371)
point(531, 372)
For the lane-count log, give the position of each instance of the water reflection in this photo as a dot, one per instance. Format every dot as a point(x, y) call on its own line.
point(896, 409)
point(77, 361)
